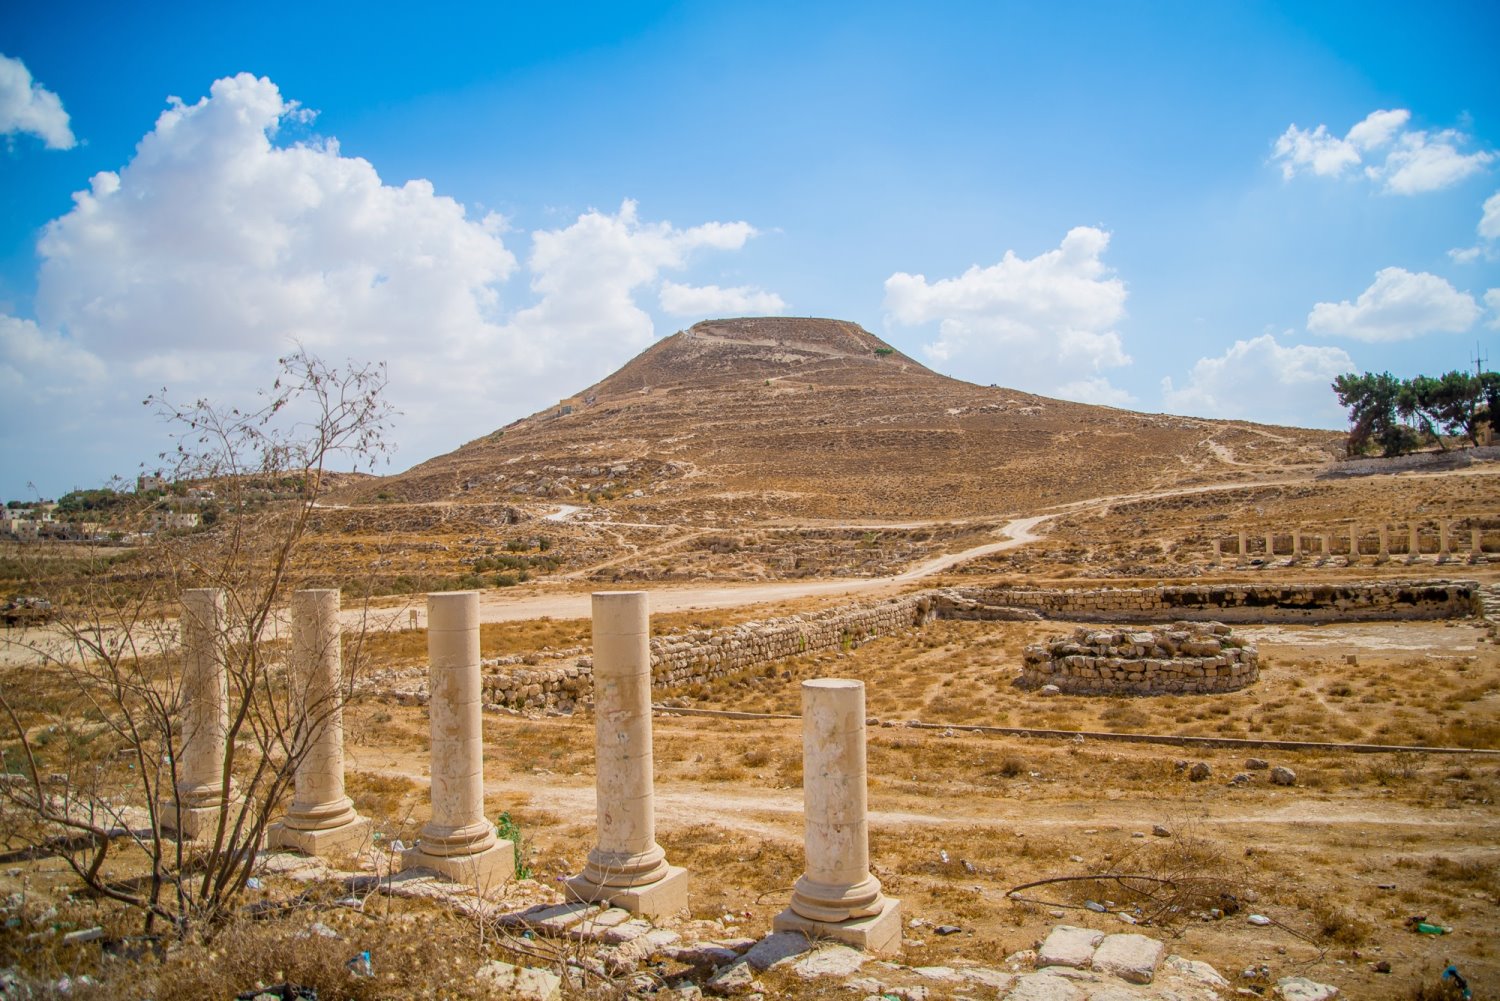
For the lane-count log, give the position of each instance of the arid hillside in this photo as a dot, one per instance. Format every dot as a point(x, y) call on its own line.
point(755, 420)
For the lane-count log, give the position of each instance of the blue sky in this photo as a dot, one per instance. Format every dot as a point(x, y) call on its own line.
point(1195, 208)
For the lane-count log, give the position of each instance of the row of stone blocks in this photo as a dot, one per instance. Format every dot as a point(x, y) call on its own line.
point(836, 897)
point(1412, 551)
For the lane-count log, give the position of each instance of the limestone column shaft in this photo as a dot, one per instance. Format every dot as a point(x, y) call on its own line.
point(322, 817)
point(1323, 545)
point(1476, 543)
point(1244, 545)
point(458, 827)
point(1442, 538)
point(205, 698)
point(1385, 544)
point(837, 885)
point(1218, 551)
point(1296, 543)
point(1270, 545)
point(627, 853)
point(1413, 542)
point(1353, 543)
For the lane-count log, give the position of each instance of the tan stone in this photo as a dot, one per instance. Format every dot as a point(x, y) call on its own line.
point(837, 896)
point(626, 868)
point(322, 819)
point(200, 792)
point(459, 842)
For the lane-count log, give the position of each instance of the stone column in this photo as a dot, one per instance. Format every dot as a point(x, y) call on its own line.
point(1476, 546)
point(1244, 545)
point(200, 793)
point(1323, 546)
point(1443, 551)
point(321, 820)
point(1296, 545)
point(837, 897)
point(1353, 544)
point(1270, 547)
point(459, 841)
point(1385, 546)
point(1218, 556)
point(627, 868)
point(1413, 544)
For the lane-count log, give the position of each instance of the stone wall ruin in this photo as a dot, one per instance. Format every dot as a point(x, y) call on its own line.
point(1183, 658)
point(705, 655)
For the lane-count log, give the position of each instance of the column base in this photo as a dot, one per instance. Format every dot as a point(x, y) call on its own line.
point(486, 869)
point(879, 933)
point(197, 821)
point(342, 840)
point(665, 897)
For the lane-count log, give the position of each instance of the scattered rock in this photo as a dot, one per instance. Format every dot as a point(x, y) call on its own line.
point(1283, 776)
point(83, 935)
point(1302, 989)
point(1192, 969)
point(1050, 690)
point(1161, 832)
point(1133, 958)
point(1240, 779)
point(736, 979)
point(1068, 945)
point(519, 981)
point(1199, 771)
point(1257, 764)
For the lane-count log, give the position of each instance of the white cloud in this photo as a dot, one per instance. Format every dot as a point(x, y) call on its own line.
point(27, 352)
point(1262, 380)
point(1414, 161)
point(28, 107)
point(215, 249)
point(1022, 322)
point(1422, 162)
point(588, 274)
point(1398, 306)
point(1492, 303)
point(713, 301)
point(1489, 222)
point(1096, 389)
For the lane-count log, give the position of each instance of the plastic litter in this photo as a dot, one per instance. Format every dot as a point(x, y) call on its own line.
point(1259, 920)
point(254, 883)
point(948, 929)
point(360, 966)
point(1451, 973)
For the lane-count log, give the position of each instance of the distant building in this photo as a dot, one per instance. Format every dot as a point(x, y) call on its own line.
point(174, 520)
point(147, 482)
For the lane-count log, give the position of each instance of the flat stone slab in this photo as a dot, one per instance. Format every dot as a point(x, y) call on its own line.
point(1193, 969)
point(509, 981)
point(702, 954)
point(1302, 989)
point(1044, 987)
point(595, 927)
point(1068, 945)
point(830, 961)
point(776, 947)
point(1132, 958)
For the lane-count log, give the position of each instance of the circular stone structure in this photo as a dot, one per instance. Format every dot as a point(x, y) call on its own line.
point(1181, 659)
